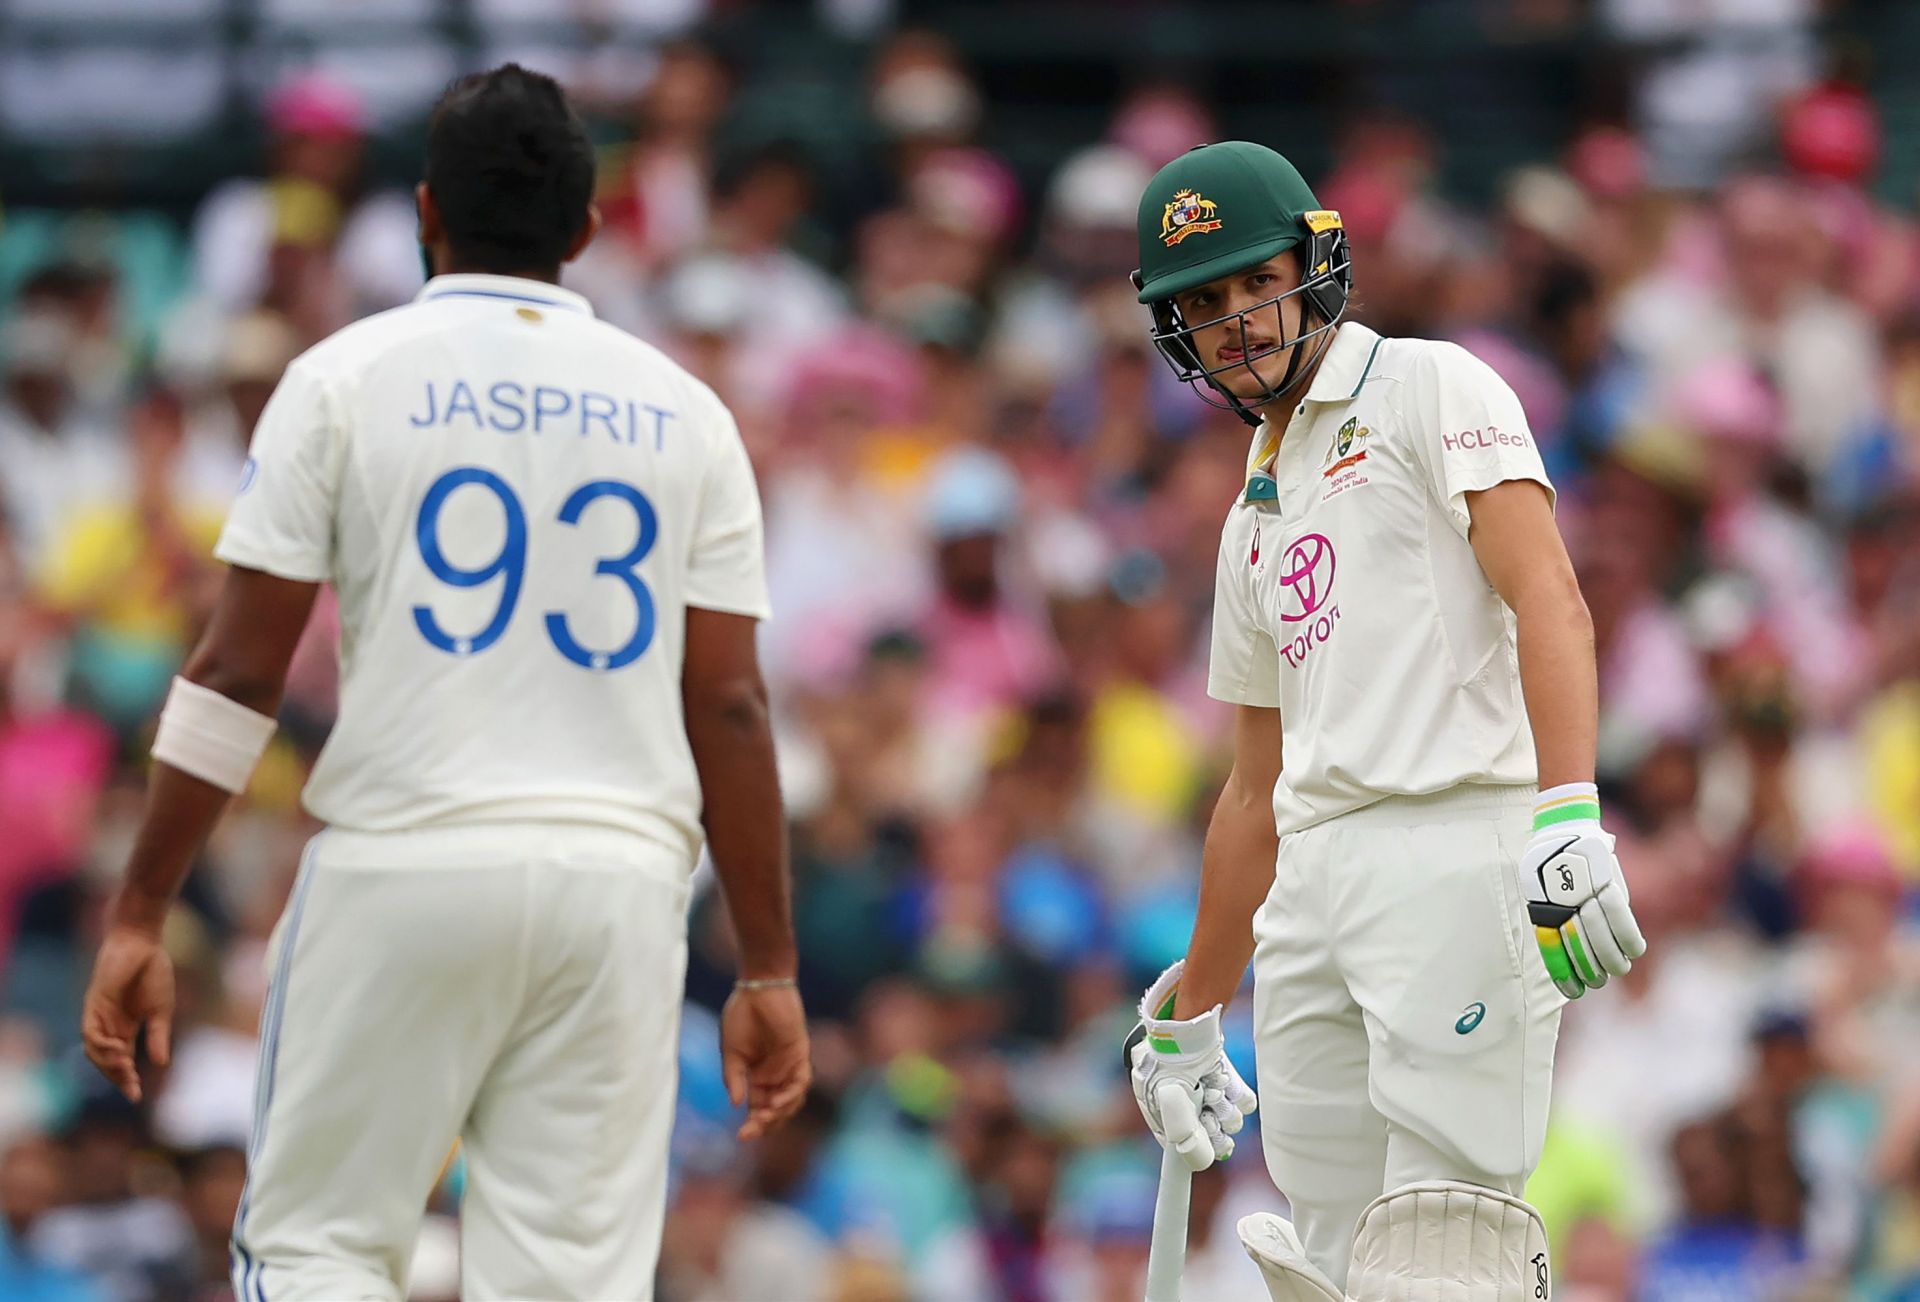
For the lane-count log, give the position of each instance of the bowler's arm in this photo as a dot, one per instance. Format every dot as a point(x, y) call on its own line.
point(764, 1053)
point(243, 655)
point(730, 732)
point(1519, 548)
point(1236, 867)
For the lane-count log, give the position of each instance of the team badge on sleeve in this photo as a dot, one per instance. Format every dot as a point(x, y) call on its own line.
point(1189, 214)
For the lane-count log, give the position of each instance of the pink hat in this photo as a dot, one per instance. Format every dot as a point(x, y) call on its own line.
point(1368, 199)
point(967, 190)
point(1160, 124)
point(875, 364)
point(314, 104)
point(1851, 854)
point(1726, 399)
point(1609, 162)
point(1831, 132)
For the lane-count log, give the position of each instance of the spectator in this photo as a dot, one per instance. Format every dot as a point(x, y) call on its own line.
point(211, 1182)
point(55, 453)
point(655, 201)
point(1725, 1244)
point(1764, 304)
point(720, 1246)
point(132, 576)
point(985, 650)
point(30, 1186)
point(140, 1246)
point(315, 174)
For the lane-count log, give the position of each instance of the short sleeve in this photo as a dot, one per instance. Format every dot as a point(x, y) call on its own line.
point(727, 568)
point(282, 520)
point(1243, 665)
point(1469, 429)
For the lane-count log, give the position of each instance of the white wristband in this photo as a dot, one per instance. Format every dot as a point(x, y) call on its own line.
point(210, 737)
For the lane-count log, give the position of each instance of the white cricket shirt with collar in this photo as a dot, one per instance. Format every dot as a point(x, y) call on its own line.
point(1351, 600)
point(516, 503)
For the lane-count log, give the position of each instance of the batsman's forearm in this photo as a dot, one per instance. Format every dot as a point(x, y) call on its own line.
point(732, 741)
point(1560, 682)
point(1236, 872)
point(181, 812)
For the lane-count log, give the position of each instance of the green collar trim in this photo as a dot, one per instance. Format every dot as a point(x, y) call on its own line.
point(1368, 368)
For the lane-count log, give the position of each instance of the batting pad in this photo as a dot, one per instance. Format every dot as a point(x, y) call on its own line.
point(1276, 1249)
point(1443, 1241)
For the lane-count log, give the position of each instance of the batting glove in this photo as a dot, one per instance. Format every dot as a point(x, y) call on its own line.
point(1193, 1099)
point(1576, 893)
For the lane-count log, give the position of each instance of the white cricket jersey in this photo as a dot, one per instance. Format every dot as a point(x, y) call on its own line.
point(1350, 597)
point(516, 504)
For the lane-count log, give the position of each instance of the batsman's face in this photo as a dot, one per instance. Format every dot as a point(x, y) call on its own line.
point(1238, 326)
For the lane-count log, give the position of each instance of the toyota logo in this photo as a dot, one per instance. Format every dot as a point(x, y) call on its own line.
point(1306, 570)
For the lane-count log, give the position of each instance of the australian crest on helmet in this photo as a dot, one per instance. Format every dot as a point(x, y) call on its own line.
point(1188, 213)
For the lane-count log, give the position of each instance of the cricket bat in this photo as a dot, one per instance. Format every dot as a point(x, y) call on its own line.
point(1167, 1256)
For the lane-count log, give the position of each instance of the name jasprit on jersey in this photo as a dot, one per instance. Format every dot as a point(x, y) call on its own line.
point(510, 408)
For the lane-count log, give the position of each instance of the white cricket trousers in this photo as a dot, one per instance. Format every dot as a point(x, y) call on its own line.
point(515, 987)
point(1403, 1019)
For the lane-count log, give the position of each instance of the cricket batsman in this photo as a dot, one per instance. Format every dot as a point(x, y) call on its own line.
point(1425, 879)
point(546, 542)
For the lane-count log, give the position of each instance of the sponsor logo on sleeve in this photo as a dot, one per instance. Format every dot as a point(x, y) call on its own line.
point(1492, 436)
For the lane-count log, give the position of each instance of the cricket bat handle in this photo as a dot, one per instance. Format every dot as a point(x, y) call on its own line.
point(1167, 1257)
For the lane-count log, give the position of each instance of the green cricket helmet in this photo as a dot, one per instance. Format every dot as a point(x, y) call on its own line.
point(1219, 209)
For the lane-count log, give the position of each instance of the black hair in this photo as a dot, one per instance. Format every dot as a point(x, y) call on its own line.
point(1564, 288)
point(740, 166)
point(63, 282)
point(510, 168)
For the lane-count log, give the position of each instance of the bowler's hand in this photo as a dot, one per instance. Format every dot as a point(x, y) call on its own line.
point(132, 987)
point(765, 1056)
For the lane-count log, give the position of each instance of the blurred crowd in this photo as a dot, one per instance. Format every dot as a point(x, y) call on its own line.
point(992, 517)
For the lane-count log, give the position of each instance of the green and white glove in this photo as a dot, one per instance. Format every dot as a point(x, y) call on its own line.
point(1576, 893)
point(1193, 1099)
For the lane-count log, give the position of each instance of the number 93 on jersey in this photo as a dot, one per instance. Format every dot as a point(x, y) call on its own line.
point(506, 571)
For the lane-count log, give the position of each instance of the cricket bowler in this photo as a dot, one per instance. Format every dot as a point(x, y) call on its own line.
point(1395, 614)
point(546, 542)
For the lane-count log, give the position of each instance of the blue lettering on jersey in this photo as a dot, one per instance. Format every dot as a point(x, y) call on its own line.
point(497, 395)
point(598, 406)
point(507, 402)
point(549, 401)
point(461, 400)
point(433, 412)
point(660, 419)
